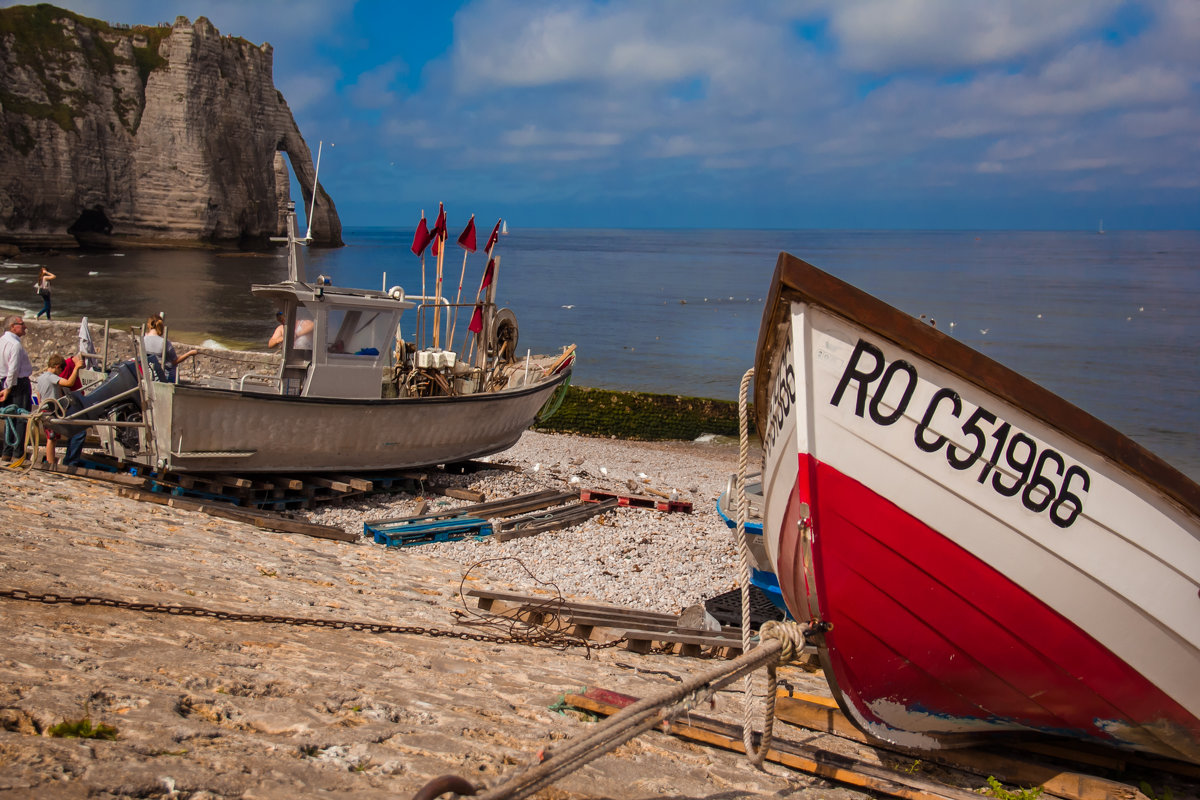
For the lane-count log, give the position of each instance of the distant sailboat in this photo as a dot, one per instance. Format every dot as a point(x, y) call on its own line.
point(1101, 230)
point(504, 228)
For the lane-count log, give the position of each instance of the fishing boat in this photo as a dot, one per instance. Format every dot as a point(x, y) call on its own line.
point(979, 557)
point(354, 391)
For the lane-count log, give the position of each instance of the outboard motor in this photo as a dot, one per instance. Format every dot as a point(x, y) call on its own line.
point(105, 400)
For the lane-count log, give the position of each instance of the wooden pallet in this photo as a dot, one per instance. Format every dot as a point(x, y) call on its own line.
point(636, 501)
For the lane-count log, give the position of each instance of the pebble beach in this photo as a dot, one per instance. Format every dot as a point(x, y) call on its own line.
point(628, 556)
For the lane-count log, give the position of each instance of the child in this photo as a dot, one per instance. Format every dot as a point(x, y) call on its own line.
point(53, 384)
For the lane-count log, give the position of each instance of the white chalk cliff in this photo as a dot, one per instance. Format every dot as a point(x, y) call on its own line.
point(159, 136)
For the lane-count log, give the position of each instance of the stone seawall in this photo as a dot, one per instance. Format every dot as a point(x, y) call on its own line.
point(62, 337)
point(641, 416)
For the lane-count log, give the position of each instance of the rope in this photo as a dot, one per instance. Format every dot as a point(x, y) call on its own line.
point(759, 755)
point(779, 642)
point(633, 720)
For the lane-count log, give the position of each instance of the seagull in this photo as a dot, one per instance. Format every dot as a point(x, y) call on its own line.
point(1039, 316)
point(537, 466)
point(570, 306)
point(604, 471)
point(984, 331)
point(574, 479)
point(1141, 308)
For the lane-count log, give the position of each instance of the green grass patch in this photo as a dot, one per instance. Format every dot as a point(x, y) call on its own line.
point(82, 729)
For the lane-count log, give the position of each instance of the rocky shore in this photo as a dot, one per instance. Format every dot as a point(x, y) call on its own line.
point(208, 708)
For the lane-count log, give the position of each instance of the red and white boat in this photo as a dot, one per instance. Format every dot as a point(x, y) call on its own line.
point(983, 557)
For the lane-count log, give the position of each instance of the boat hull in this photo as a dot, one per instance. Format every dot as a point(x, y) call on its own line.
point(987, 559)
point(199, 429)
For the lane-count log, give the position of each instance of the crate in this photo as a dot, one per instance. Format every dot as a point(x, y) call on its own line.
point(727, 608)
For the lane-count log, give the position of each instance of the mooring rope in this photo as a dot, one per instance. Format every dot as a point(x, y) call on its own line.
point(759, 755)
point(777, 642)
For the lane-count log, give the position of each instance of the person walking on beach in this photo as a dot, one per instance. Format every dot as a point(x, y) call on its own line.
point(157, 345)
point(17, 394)
point(53, 384)
point(43, 289)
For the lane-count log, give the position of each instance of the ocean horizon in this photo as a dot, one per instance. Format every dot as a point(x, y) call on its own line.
point(1108, 321)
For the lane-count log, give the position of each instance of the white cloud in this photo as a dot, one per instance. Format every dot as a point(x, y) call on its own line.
point(373, 89)
point(887, 35)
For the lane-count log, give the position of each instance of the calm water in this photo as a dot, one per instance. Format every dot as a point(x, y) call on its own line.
point(1110, 321)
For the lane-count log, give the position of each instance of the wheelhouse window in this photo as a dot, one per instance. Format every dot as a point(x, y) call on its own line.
point(355, 332)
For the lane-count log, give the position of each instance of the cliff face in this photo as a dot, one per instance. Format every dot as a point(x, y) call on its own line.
point(164, 136)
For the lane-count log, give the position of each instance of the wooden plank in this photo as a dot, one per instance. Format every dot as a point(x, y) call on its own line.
point(121, 478)
point(328, 483)
point(804, 758)
point(815, 714)
point(358, 484)
point(490, 597)
point(288, 482)
point(495, 509)
point(641, 641)
point(557, 520)
point(458, 493)
point(255, 517)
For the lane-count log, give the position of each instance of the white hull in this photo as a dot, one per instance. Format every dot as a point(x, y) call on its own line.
point(918, 472)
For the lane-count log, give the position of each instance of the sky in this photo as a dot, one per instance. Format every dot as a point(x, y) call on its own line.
point(793, 114)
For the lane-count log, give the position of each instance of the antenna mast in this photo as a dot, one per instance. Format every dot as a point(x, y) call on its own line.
point(312, 207)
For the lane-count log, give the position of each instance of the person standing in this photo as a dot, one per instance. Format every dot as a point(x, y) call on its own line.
point(156, 344)
point(15, 372)
point(43, 289)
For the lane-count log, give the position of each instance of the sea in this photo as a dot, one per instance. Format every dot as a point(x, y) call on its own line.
point(1108, 321)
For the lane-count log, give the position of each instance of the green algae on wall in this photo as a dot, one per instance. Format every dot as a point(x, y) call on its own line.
point(642, 416)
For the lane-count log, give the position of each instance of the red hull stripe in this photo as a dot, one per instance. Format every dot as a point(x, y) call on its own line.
point(928, 637)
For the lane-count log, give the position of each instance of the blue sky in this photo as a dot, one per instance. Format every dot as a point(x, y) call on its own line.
point(933, 114)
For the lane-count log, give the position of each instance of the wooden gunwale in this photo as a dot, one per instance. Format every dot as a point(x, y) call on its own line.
point(798, 281)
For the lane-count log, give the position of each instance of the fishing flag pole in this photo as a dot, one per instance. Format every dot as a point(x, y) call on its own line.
point(439, 250)
point(466, 240)
point(420, 241)
point(477, 316)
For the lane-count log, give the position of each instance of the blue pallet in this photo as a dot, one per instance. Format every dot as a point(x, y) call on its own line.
point(403, 533)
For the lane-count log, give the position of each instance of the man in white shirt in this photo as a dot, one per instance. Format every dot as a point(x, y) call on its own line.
point(15, 371)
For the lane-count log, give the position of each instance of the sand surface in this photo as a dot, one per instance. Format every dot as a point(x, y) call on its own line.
point(211, 708)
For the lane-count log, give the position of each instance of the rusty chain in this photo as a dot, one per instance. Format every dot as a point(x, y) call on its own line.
point(541, 637)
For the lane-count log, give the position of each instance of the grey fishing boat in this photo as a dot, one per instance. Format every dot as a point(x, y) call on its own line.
point(351, 392)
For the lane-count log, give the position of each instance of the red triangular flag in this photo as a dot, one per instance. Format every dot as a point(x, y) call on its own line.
point(437, 245)
point(439, 227)
point(421, 238)
point(491, 242)
point(488, 274)
point(466, 239)
point(476, 325)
